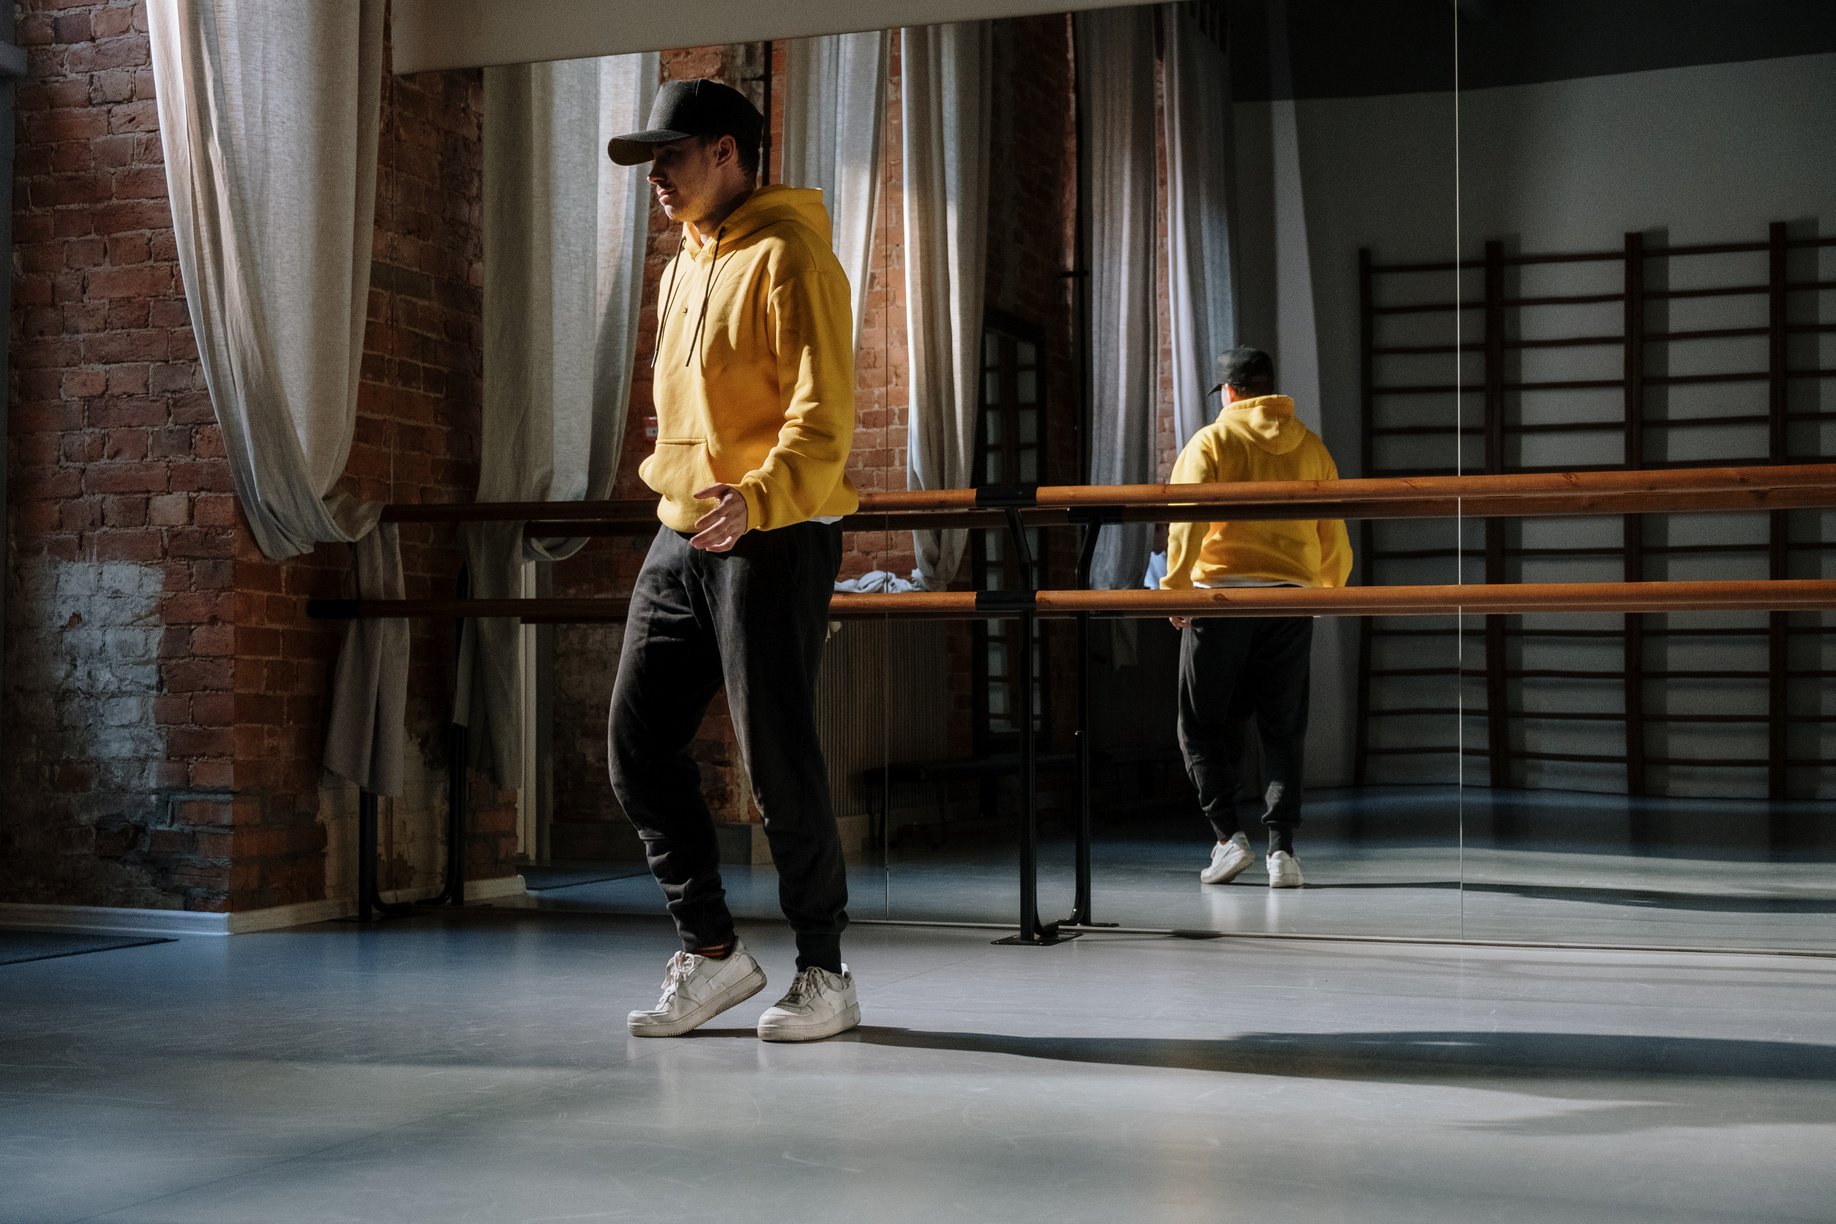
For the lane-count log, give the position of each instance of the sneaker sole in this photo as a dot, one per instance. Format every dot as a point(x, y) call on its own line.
point(841, 1022)
point(1205, 876)
point(733, 996)
point(1274, 883)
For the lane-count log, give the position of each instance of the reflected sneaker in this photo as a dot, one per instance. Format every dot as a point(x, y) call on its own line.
point(1228, 859)
point(819, 1004)
point(1284, 872)
point(696, 989)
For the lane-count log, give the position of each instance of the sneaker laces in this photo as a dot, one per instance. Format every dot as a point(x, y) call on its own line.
point(674, 974)
point(803, 987)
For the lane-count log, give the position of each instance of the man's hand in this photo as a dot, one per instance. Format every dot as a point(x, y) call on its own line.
point(720, 528)
point(1180, 622)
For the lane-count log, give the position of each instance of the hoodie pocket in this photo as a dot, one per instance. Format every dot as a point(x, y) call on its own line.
point(678, 467)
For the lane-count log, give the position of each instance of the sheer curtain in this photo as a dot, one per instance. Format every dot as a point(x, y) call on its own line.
point(1115, 88)
point(564, 241)
point(1197, 121)
point(944, 72)
point(268, 121)
point(833, 115)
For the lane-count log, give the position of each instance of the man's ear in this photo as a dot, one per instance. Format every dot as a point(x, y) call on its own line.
point(726, 149)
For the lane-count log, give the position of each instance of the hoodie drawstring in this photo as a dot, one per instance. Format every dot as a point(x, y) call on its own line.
point(707, 293)
point(669, 299)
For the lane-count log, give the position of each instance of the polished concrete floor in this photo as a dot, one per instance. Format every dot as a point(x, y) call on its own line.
point(473, 1066)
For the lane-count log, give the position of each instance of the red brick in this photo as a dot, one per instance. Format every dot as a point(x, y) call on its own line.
point(198, 676)
point(173, 843)
point(79, 384)
point(134, 117)
point(126, 446)
point(146, 344)
point(125, 478)
point(209, 812)
point(114, 20)
point(200, 477)
point(124, 511)
point(169, 509)
point(114, 85)
point(212, 775)
point(216, 510)
point(210, 640)
point(142, 544)
point(143, 280)
point(140, 183)
point(213, 709)
point(200, 741)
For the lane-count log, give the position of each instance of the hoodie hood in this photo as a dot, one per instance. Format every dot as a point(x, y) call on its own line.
point(766, 206)
point(1266, 421)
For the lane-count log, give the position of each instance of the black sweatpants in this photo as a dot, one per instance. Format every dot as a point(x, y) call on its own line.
point(1232, 669)
point(755, 618)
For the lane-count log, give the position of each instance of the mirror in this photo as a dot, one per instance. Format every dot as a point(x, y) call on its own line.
point(1658, 779)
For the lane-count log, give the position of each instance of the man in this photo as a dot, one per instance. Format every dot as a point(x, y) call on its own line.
point(1232, 668)
point(754, 394)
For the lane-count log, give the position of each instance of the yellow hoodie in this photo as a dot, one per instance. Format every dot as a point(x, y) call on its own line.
point(754, 377)
point(1256, 439)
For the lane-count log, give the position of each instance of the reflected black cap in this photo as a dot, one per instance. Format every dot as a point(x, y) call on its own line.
point(1248, 370)
point(690, 108)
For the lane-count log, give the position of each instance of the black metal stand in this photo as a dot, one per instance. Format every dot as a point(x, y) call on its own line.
point(1080, 904)
point(1033, 932)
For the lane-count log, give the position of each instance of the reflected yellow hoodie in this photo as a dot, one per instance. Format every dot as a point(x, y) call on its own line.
point(1256, 439)
point(754, 375)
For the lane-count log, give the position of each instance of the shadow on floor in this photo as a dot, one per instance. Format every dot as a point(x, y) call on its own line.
point(1392, 1056)
point(1707, 903)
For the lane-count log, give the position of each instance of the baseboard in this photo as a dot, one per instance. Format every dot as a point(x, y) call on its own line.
point(123, 921)
point(110, 920)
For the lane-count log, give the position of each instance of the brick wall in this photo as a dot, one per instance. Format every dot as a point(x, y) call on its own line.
point(164, 690)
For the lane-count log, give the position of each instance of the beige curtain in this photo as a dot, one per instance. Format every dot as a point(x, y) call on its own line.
point(834, 111)
point(944, 72)
point(564, 240)
point(1197, 121)
point(1115, 89)
point(268, 120)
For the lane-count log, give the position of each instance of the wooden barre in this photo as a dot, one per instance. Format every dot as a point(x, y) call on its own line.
point(1526, 494)
point(1784, 595)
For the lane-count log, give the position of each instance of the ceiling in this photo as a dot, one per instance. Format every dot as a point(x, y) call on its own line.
point(1347, 48)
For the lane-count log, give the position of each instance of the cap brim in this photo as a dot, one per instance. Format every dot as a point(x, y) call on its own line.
point(640, 147)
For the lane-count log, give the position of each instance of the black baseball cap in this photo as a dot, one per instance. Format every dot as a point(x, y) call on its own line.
point(1246, 369)
point(690, 108)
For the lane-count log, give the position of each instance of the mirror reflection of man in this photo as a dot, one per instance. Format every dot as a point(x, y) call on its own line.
point(753, 384)
point(1232, 669)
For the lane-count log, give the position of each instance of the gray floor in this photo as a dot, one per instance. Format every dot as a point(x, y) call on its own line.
point(473, 1067)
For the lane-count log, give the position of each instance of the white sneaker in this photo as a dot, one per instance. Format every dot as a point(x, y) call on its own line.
point(1284, 872)
point(696, 989)
point(819, 1004)
point(1228, 859)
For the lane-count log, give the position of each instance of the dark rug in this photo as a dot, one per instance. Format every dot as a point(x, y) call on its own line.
point(19, 946)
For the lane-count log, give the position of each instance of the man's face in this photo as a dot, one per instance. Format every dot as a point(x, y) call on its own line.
point(686, 177)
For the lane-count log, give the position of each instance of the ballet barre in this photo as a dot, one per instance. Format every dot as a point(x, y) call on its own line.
point(1018, 508)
